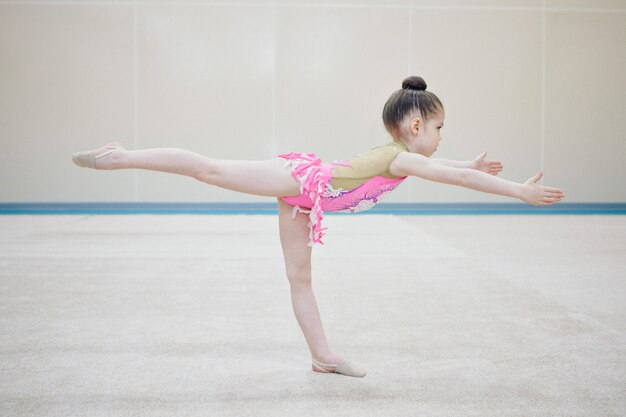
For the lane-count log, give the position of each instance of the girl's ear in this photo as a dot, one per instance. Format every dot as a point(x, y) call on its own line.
point(416, 125)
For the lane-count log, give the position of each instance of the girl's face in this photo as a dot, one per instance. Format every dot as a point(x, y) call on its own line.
point(427, 133)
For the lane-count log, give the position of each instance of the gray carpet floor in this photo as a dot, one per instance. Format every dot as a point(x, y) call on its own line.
point(191, 316)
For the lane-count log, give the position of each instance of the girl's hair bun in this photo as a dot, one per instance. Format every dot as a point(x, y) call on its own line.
point(414, 83)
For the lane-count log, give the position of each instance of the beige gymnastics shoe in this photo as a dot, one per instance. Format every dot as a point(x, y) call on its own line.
point(88, 159)
point(344, 367)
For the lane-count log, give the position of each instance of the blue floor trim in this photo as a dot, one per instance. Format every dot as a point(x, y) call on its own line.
point(270, 208)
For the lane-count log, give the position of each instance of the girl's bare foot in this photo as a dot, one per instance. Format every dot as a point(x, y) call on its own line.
point(101, 158)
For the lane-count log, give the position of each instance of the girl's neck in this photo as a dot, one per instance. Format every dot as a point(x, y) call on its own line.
point(403, 142)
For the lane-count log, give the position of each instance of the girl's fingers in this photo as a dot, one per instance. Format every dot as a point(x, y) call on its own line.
point(552, 191)
point(496, 167)
point(551, 199)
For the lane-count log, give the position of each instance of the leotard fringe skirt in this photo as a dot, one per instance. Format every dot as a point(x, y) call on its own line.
point(314, 177)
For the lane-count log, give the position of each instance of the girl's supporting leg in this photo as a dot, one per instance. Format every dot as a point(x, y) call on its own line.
point(294, 238)
point(267, 178)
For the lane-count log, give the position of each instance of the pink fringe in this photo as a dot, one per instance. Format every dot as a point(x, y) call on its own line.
point(307, 170)
point(313, 177)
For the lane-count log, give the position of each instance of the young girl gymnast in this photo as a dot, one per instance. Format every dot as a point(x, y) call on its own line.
point(305, 188)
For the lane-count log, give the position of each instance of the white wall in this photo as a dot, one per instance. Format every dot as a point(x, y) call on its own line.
point(539, 84)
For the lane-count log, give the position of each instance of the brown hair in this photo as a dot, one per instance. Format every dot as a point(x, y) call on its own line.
point(410, 98)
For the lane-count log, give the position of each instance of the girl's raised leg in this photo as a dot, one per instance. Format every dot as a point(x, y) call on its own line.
point(294, 238)
point(267, 178)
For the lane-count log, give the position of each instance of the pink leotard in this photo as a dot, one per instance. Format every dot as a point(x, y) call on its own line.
point(341, 186)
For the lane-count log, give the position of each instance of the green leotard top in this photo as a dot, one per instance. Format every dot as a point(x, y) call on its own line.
point(367, 165)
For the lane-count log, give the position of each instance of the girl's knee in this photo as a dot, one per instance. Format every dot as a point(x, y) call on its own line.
point(299, 276)
point(209, 172)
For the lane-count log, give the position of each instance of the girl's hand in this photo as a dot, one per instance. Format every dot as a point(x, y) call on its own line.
point(539, 195)
point(490, 167)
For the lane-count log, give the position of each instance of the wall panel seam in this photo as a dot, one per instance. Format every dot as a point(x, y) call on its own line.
point(274, 139)
point(542, 134)
point(409, 194)
point(135, 95)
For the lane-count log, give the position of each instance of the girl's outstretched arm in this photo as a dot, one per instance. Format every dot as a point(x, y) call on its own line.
point(530, 192)
point(479, 163)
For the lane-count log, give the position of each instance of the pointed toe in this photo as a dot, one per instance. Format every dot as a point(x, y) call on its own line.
point(348, 368)
point(88, 159)
point(84, 159)
point(344, 368)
